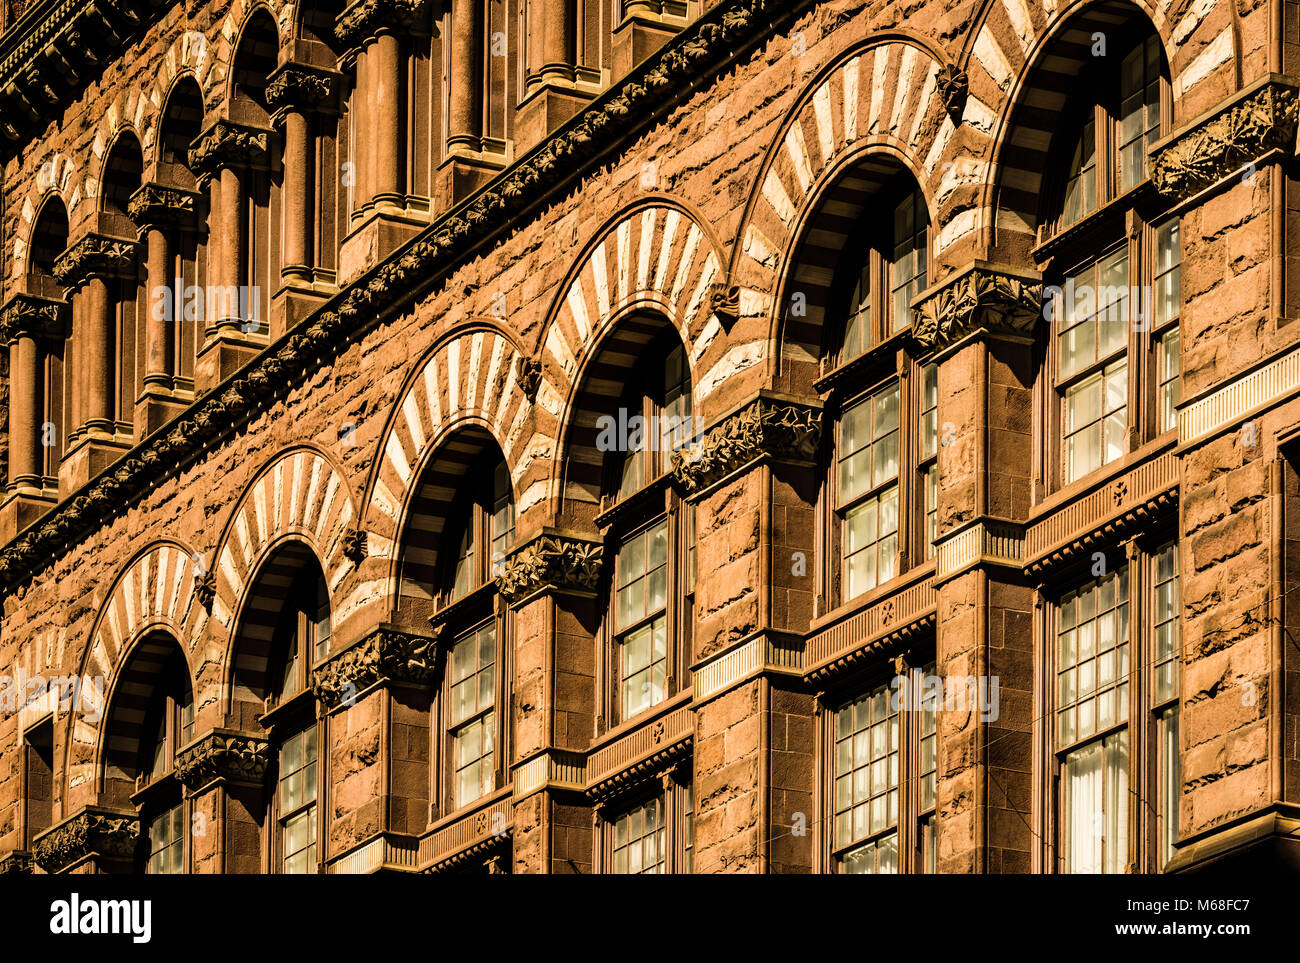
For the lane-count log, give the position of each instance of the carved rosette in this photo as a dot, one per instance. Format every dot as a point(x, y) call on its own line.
point(954, 88)
point(227, 144)
point(95, 256)
point(550, 562)
point(298, 86)
point(355, 542)
point(1263, 120)
point(34, 316)
point(91, 832)
point(236, 757)
point(980, 298)
point(155, 205)
point(366, 18)
point(765, 427)
point(388, 654)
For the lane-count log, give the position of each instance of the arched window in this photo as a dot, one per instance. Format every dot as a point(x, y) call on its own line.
point(880, 492)
point(123, 177)
point(484, 529)
point(150, 719)
point(648, 621)
point(1113, 258)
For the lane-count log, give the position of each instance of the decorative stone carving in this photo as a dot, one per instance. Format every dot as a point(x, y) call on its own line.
point(237, 757)
point(91, 832)
point(529, 376)
point(205, 589)
point(354, 545)
point(17, 861)
point(765, 427)
point(155, 205)
point(724, 301)
point(35, 316)
point(388, 654)
point(981, 297)
point(550, 562)
point(954, 88)
point(367, 17)
point(227, 144)
point(95, 256)
point(699, 48)
point(300, 86)
point(1263, 119)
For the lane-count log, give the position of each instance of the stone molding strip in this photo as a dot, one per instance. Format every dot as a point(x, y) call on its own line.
point(1252, 122)
point(472, 833)
point(396, 852)
point(978, 543)
point(225, 754)
point(550, 769)
point(981, 298)
point(879, 627)
point(387, 654)
point(641, 754)
point(766, 427)
point(1201, 419)
point(550, 562)
point(715, 39)
point(763, 652)
point(92, 831)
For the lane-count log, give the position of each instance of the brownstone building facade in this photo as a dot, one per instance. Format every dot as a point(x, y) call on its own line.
point(713, 436)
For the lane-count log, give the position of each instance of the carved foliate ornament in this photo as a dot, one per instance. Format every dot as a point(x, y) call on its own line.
point(724, 302)
point(765, 427)
point(388, 654)
point(1262, 120)
point(91, 832)
point(980, 298)
point(529, 376)
point(95, 256)
point(299, 86)
point(26, 314)
point(228, 144)
point(205, 589)
point(155, 205)
point(355, 543)
point(550, 562)
point(236, 757)
point(15, 862)
point(367, 17)
point(954, 88)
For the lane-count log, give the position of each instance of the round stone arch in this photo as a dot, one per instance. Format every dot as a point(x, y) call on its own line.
point(155, 592)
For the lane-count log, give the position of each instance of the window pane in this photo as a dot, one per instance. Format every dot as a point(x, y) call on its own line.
point(639, 837)
point(866, 770)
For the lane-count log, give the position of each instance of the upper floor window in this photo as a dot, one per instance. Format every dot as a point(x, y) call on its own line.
point(485, 529)
point(655, 834)
point(472, 718)
point(867, 495)
point(654, 417)
point(170, 723)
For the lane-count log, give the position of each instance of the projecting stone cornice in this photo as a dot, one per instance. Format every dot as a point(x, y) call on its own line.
point(155, 205)
point(550, 562)
point(582, 144)
point(981, 298)
point(228, 144)
point(388, 654)
point(1254, 121)
point(225, 754)
point(96, 256)
point(94, 831)
point(301, 87)
point(365, 18)
point(768, 427)
point(28, 314)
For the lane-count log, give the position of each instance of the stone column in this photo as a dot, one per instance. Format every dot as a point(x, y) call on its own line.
point(465, 93)
point(980, 322)
point(224, 775)
point(28, 324)
point(160, 212)
point(219, 156)
point(556, 89)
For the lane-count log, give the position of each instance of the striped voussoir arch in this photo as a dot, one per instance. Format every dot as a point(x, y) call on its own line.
point(137, 689)
point(468, 379)
point(441, 481)
point(153, 598)
point(300, 495)
point(886, 96)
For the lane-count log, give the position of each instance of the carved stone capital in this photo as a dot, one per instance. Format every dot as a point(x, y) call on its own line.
point(236, 757)
point(550, 562)
point(93, 831)
point(96, 256)
point(764, 427)
point(366, 18)
point(1262, 119)
point(388, 654)
point(301, 87)
point(17, 861)
point(981, 297)
point(228, 144)
point(27, 314)
point(155, 205)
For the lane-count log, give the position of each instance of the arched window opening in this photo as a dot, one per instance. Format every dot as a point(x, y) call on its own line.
point(123, 178)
